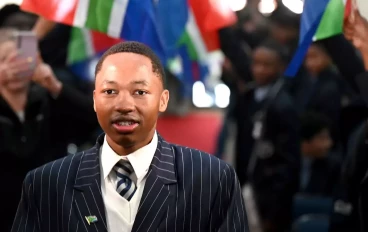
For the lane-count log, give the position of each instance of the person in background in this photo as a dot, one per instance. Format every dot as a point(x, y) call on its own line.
point(326, 91)
point(38, 115)
point(132, 179)
point(320, 171)
point(275, 176)
point(319, 65)
point(252, 27)
point(352, 211)
point(321, 90)
point(284, 27)
point(53, 41)
point(348, 60)
point(237, 87)
point(12, 17)
point(345, 216)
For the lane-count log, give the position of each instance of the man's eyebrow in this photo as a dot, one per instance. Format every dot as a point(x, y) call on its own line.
point(109, 82)
point(140, 82)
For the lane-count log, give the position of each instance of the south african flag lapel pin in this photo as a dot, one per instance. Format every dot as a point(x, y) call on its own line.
point(91, 219)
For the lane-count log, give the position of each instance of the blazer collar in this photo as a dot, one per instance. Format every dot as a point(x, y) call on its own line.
point(163, 164)
point(87, 197)
point(159, 189)
point(89, 167)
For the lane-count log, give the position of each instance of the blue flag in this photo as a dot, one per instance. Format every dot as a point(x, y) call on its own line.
point(171, 17)
point(311, 17)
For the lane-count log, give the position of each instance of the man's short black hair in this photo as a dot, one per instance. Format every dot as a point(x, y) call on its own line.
point(282, 51)
point(10, 10)
point(284, 17)
point(313, 123)
point(137, 48)
point(321, 46)
point(7, 11)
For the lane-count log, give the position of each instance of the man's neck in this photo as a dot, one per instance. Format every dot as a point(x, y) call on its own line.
point(128, 149)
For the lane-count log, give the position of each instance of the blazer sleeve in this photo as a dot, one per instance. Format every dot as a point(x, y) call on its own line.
point(26, 219)
point(231, 204)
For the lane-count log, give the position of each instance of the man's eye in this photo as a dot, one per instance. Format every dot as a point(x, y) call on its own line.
point(140, 92)
point(109, 91)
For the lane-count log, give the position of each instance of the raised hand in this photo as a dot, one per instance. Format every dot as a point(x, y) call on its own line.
point(12, 68)
point(356, 30)
point(45, 77)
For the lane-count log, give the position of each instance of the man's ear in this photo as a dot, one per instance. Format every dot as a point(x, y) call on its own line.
point(94, 102)
point(164, 100)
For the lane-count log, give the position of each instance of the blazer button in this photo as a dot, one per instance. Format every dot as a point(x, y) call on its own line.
point(23, 139)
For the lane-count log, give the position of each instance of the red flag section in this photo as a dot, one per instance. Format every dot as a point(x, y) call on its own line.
point(219, 15)
point(212, 15)
point(102, 42)
point(62, 11)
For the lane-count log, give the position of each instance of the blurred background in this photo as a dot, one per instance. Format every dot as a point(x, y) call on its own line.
point(202, 102)
point(270, 86)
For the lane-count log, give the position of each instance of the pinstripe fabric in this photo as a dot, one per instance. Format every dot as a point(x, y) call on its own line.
point(186, 190)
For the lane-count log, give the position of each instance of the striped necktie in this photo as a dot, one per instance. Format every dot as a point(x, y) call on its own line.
point(124, 184)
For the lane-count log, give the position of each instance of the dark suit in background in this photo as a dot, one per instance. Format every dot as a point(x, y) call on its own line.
point(352, 69)
point(275, 177)
point(41, 138)
point(324, 176)
point(322, 94)
point(353, 172)
point(186, 190)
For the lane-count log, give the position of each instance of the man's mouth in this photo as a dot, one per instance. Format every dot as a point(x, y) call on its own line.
point(125, 123)
point(125, 126)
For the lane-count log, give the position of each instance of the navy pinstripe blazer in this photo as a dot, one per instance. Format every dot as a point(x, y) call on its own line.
point(185, 190)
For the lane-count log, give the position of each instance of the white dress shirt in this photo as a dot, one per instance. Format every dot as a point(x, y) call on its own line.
point(121, 213)
point(261, 93)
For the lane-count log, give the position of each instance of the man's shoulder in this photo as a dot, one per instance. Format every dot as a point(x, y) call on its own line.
point(58, 169)
point(283, 102)
point(187, 155)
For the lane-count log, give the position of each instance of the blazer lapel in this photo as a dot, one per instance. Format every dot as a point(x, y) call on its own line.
point(88, 200)
point(159, 189)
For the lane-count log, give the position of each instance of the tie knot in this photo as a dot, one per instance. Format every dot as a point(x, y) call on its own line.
point(124, 184)
point(124, 167)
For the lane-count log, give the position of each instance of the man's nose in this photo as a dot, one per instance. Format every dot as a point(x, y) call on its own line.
point(124, 103)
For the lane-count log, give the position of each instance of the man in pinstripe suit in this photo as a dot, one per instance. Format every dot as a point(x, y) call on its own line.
point(132, 179)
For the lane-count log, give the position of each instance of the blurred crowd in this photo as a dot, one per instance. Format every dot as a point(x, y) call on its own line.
point(300, 141)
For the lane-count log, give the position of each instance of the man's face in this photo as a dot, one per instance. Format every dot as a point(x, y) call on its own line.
point(283, 34)
point(266, 65)
point(320, 144)
point(128, 97)
point(316, 60)
point(14, 82)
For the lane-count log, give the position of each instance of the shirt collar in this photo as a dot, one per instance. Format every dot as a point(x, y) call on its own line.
point(140, 159)
point(261, 93)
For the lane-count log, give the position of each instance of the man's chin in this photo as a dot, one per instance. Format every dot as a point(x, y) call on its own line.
point(126, 140)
